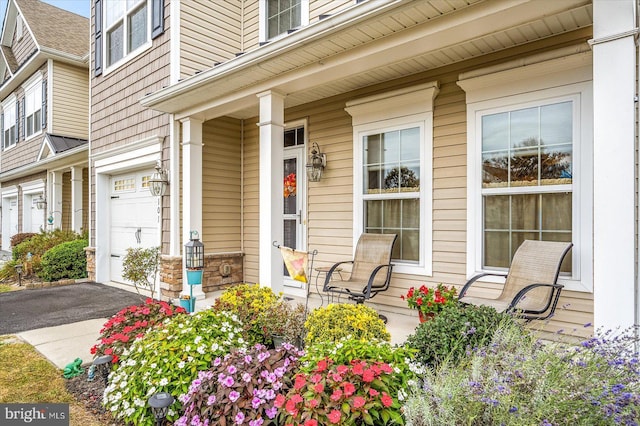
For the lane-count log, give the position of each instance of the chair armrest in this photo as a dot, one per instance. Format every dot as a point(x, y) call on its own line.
point(327, 278)
point(556, 288)
point(372, 277)
point(476, 278)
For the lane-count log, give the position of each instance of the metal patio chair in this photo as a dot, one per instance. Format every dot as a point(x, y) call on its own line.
point(371, 270)
point(530, 289)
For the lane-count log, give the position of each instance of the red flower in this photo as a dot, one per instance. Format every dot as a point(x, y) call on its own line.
point(419, 301)
point(386, 368)
point(280, 399)
point(358, 402)
point(300, 382)
point(313, 403)
point(334, 416)
point(349, 388)
point(290, 406)
point(296, 398)
point(319, 387)
point(342, 369)
point(368, 376)
point(358, 369)
point(311, 422)
point(387, 401)
point(373, 392)
point(316, 378)
point(336, 395)
point(322, 365)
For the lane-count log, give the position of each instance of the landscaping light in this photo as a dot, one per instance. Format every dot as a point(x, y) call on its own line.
point(103, 366)
point(160, 403)
point(19, 272)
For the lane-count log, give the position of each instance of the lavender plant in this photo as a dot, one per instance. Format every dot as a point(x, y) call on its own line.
point(517, 380)
point(241, 387)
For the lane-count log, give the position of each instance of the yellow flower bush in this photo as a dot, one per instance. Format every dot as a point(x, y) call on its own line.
point(337, 321)
point(248, 302)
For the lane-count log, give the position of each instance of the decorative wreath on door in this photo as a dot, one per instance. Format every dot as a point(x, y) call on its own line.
point(289, 185)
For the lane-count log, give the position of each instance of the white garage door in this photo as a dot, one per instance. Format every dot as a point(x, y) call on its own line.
point(135, 218)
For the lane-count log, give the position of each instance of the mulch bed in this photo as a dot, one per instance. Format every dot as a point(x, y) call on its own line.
point(90, 393)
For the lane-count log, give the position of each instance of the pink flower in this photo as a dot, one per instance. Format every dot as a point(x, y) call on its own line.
point(336, 395)
point(334, 416)
point(311, 422)
point(387, 401)
point(358, 402)
point(300, 382)
point(319, 387)
point(322, 365)
point(349, 388)
point(368, 376)
point(280, 399)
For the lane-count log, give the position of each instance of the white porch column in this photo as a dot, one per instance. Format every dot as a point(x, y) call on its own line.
point(174, 189)
point(271, 170)
point(55, 206)
point(76, 199)
point(191, 190)
point(614, 74)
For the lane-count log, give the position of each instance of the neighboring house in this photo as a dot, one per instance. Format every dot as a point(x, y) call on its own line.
point(463, 126)
point(44, 97)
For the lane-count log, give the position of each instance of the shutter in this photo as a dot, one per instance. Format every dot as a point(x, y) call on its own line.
point(2, 129)
point(98, 38)
point(22, 119)
point(157, 18)
point(43, 113)
point(15, 130)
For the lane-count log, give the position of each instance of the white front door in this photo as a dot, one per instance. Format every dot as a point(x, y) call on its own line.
point(135, 218)
point(9, 220)
point(293, 205)
point(33, 217)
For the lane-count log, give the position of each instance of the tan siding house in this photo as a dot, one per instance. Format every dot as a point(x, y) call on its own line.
point(226, 101)
point(45, 120)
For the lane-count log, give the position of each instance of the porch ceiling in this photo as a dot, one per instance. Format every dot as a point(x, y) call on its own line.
point(369, 43)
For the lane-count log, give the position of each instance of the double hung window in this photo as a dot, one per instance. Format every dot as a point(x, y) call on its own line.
point(33, 109)
point(529, 160)
point(126, 28)
point(9, 124)
point(278, 17)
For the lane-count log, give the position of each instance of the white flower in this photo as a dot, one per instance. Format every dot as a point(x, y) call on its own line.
point(154, 365)
point(189, 358)
point(187, 348)
point(197, 339)
point(117, 396)
point(151, 391)
point(201, 350)
point(181, 364)
point(129, 411)
point(123, 384)
point(125, 404)
point(171, 412)
point(138, 402)
point(214, 347)
point(164, 381)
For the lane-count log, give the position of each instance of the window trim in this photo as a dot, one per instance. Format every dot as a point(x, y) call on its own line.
point(262, 13)
point(399, 109)
point(517, 88)
point(104, 36)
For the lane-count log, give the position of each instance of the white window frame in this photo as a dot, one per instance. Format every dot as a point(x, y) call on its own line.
point(34, 86)
point(400, 109)
point(262, 12)
point(515, 88)
point(126, 55)
point(9, 107)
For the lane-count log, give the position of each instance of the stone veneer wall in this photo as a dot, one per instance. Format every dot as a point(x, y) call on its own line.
point(220, 271)
point(91, 263)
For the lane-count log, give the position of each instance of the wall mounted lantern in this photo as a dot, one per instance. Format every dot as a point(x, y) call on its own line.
point(159, 181)
point(316, 163)
point(40, 202)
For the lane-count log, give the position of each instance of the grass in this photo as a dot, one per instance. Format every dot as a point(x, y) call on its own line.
point(4, 288)
point(26, 376)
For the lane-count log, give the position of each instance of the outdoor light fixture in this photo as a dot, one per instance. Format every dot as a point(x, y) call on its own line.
point(160, 403)
point(40, 202)
point(19, 272)
point(194, 252)
point(103, 367)
point(316, 163)
point(159, 181)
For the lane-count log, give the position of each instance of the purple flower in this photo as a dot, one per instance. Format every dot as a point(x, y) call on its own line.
point(228, 381)
point(182, 421)
point(256, 422)
point(234, 395)
point(211, 400)
point(246, 377)
point(262, 356)
point(232, 369)
point(248, 359)
point(271, 412)
point(513, 409)
point(269, 395)
point(255, 403)
point(217, 362)
point(239, 418)
point(196, 421)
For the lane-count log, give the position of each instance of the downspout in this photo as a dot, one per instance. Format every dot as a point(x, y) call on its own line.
point(637, 134)
point(242, 193)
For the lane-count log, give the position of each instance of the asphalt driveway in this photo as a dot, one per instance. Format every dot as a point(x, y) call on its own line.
point(46, 307)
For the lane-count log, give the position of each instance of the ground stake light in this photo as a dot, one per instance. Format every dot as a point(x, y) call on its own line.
point(160, 403)
point(103, 367)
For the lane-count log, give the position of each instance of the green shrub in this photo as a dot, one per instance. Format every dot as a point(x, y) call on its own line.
point(64, 261)
point(39, 244)
point(451, 332)
point(20, 237)
point(516, 380)
point(337, 321)
point(167, 359)
point(248, 302)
